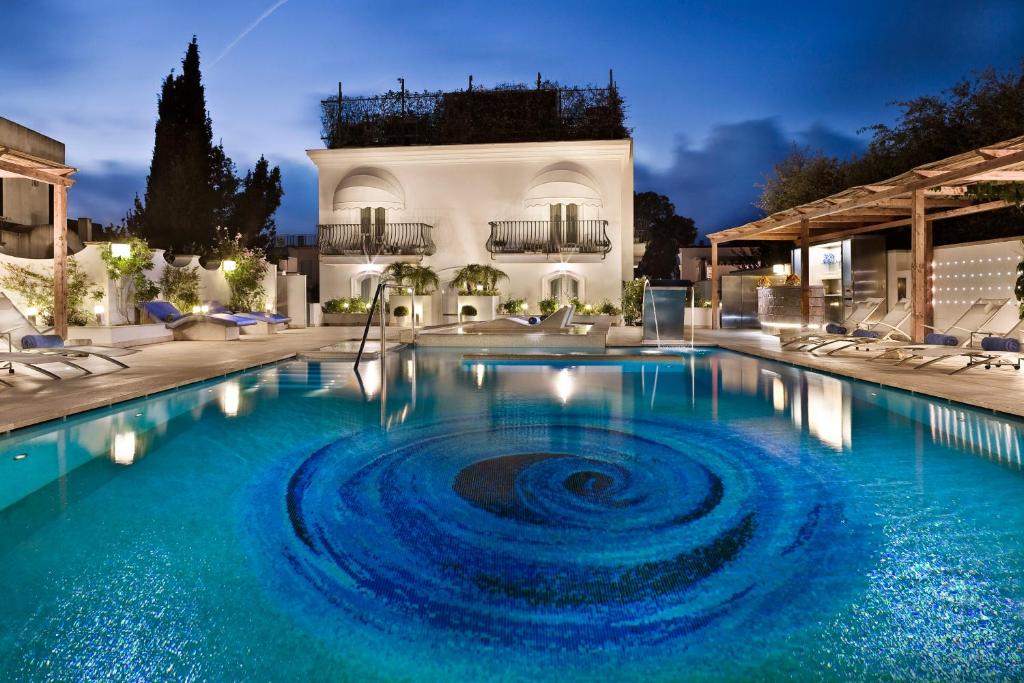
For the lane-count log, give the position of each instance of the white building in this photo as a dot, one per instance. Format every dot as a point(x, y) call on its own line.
point(557, 217)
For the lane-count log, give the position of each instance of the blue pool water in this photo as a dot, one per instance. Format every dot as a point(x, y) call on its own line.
point(718, 518)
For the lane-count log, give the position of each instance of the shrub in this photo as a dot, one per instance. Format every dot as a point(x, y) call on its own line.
point(606, 307)
point(468, 311)
point(400, 311)
point(180, 286)
point(633, 301)
point(548, 306)
point(422, 279)
point(246, 280)
point(37, 291)
point(514, 306)
point(478, 280)
point(344, 305)
point(128, 274)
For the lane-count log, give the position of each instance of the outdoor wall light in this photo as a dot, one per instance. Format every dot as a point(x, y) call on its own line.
point(479, 288)
point(98, 310)
point(524, 306)
point(229, 266)
point(120, 250)
point(204, 309)
point(196, 310)
point(779, 269)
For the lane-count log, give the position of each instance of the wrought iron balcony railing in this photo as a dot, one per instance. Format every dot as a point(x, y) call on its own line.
point(389, 239)
point(549, 237)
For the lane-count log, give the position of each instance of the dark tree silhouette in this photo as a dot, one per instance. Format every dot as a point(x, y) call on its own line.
point(192, 188)
point(656, 220)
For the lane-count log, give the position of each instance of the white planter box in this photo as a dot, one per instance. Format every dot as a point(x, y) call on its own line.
point(122, 335)
point(345, 319)
point(424, 309)
point(701, 317)
point(486, 306)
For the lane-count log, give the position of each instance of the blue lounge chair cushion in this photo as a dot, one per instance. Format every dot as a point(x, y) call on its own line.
point(939, 339)
point(236, 319)
point(533, 320)
point(1001, 344)
point(274, 318)
point(868, 334)
point(833, 328)
point(42, 341)
point(162, 311)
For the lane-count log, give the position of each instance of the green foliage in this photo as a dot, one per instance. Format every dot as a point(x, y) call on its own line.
point(345, 305)
point(657, 223)
point(246, 280)
point(974, 113)
point(505, 113)
point(128, 275)
point(468, 311)
point(37, 291)
point(606, 307)
point(192, 186)
point(400, 311)
point(548, 306)
point(478, 280)
point(633, 301)
point(1011, 193)
point(513, 306)
point(180, 286)
point(421, 278)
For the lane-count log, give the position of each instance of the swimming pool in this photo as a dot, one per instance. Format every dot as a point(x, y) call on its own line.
point(719, 517)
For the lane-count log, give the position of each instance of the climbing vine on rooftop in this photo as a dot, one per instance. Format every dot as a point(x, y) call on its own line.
point(1011, 193)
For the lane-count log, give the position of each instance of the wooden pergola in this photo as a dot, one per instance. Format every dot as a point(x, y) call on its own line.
point(18, 164)
point(917, 199)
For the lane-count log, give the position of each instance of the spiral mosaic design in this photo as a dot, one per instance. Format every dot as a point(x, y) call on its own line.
point(551, 536)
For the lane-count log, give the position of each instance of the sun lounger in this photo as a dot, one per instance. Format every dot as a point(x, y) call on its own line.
point(53, 345)
point(996, 350)
point(192, 327)
point(959, 334)
point(889, 328)
point(35, 362)
point(259, 323)
point(559, 321)
point(862, 310)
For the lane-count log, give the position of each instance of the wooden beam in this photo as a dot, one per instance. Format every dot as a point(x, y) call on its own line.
point(919, 256)
point(993, 153)
point(938, 216)
point(33, 174)
point(805, 272)
point(714, 285)
point(868, 198)
point(60, 261)
point(1007, 176)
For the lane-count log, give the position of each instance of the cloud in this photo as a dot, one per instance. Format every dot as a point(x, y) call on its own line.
point(717, 182)
point(105, 191)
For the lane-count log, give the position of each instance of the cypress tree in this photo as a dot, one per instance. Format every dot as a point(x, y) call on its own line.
point(192, 188)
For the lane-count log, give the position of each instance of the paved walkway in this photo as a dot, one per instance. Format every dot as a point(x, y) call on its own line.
point(167, 366)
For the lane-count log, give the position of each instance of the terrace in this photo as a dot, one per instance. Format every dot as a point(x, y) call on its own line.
point(360, 240)
point(549, 238)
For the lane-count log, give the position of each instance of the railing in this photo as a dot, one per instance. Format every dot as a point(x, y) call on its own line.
point(389, 239)
point(549, 237)
point(304, 240)
point(641, 235)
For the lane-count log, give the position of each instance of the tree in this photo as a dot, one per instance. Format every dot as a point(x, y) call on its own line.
point(192, 188)
point(801, 177)
point(973, 113)
point(256, 204)
point(656, 220)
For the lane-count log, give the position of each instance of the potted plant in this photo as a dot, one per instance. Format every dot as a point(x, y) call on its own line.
point(478, 287)
point(468, 313)
point(418, 280)
point(126, 269)
point(345, 311)
point(399, 314)
point(514, 307)
point(547, 306)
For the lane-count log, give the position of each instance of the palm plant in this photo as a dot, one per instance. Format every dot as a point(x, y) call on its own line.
point(422, 279)
point(478, 279)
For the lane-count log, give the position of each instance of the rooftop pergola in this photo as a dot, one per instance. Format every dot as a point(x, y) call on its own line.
point(18, 164)
point(917, 199)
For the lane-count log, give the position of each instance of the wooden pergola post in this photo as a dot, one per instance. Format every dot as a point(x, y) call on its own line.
point(714, 285)
point(60, 260)
point(805, 272)
point(920, 267)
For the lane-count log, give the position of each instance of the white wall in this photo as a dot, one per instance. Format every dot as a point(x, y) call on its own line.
point(459, 189)
point(967, 272)
point(212, 284)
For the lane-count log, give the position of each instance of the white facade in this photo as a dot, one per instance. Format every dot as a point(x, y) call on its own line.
point(459, 191)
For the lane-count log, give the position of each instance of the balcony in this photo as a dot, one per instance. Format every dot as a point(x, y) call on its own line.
point(369, 241)
point(549, 238)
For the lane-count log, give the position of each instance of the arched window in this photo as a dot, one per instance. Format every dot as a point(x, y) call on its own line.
point(563, 286)
point(365, 284)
